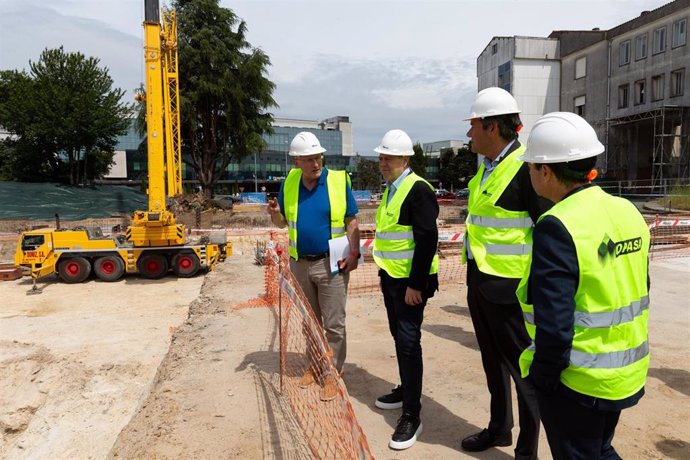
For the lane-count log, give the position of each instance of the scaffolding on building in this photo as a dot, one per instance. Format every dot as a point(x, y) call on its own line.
point(670, 162)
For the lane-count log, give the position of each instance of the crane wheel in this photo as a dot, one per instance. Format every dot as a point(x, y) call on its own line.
point(185, 264)
point(109, 268)
point(74, 270)
point(152, 266)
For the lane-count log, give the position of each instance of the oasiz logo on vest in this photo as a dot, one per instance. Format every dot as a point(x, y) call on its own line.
point(619, 248)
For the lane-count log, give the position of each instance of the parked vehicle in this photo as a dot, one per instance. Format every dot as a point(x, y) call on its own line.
point(446, 195)
point(462, 193)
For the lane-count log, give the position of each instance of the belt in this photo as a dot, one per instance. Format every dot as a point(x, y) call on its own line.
point(313, 257)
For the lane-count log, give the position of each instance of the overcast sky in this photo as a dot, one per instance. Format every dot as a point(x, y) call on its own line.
point(386, 64)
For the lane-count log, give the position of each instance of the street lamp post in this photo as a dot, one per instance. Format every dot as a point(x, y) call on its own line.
point(256, 175)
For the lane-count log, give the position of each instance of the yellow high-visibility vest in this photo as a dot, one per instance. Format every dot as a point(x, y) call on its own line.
point(394, 243)
point(500, 239)
point(610, 350)
point(337, 196)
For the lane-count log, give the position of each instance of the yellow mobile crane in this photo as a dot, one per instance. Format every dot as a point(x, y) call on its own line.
point(154, 243)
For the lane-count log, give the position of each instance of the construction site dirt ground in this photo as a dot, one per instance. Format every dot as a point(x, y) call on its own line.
point(171, 369)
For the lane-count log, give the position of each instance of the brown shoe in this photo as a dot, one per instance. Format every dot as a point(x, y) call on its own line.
point(329, 390)
point(307, 379)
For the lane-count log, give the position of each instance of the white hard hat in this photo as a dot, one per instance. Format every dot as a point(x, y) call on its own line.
point(396, 142)
point(305, 143)
point(558, 137)
point(493, 101)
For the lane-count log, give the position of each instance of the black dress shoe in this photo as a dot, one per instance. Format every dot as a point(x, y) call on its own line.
point(485, 439)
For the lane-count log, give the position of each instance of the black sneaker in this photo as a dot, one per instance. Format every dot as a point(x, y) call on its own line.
point(406, 433)
point(393, 400)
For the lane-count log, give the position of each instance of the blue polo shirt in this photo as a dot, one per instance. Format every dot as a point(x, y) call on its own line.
point(314, 215)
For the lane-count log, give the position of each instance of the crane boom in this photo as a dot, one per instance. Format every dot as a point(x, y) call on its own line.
point(154, 106)
point(157, 226)
point(171, 94)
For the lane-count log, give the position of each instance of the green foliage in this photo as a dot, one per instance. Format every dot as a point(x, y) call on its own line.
point(64, 118)
point(6, 162)
point(368, 175)
point(456, 169)
point(99, 161)
point(418, 161)
point(223, 89)
point(24, 162)
point(678, 198)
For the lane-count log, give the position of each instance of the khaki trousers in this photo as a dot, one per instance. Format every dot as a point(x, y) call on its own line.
point(327, 295)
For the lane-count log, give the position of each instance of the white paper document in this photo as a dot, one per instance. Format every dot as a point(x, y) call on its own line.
point(339, 248)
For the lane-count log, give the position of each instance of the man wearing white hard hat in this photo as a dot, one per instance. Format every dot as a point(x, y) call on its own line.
point(501, 210)
point(317, 204)
point(405, 251)
point(585, 297)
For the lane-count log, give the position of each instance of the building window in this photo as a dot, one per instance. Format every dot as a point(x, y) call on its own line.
point(639, 92)
point(659, 40)
point(679, 32)
point(677, 82)
point(657, 87)
point(624, 53)
point(504, 76)
point(623, 96)
point(581, 67)
point(494, 48)
point(640, 47)
point(579, 103)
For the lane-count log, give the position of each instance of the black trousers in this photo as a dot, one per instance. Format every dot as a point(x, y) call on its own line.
point(575, 431)
point(502, 336)
point(405, 324)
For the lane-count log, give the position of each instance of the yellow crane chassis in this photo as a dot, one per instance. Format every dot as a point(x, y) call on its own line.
point(75, 254)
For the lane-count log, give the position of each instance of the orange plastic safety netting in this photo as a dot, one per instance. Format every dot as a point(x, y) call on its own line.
point(670, 236)
point(330, 427)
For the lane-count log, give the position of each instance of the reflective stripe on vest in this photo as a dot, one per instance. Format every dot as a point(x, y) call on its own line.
point(394, 255)
point(612, 360)
point(604, 319)
point(609, 355)
point(508, 249)
point(500, 239)
point(509, 222)
point(337, 197)
point(393, 243)
point(394, 235)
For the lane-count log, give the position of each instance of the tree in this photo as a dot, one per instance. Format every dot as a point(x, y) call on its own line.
point(63, 115)
point(466, 164)
point(368, 175)
point(457, 168)
point(223, 89)
point(419, 161)
point(27, 156)
point(6, 160)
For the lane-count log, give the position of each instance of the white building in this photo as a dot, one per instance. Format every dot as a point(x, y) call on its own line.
point(529, 69)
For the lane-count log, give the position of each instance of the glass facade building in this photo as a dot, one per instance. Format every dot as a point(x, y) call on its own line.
point(267, 168)
point(432, 150)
